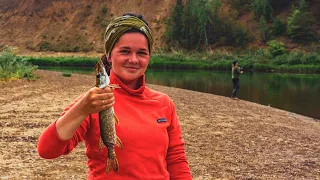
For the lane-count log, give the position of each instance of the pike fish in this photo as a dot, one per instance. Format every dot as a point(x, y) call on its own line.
point(107, 121)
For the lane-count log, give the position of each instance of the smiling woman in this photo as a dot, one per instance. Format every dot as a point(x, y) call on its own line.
point(149, 129)
point(130, 57)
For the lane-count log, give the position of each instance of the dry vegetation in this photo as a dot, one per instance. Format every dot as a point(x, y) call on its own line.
point(72, 25)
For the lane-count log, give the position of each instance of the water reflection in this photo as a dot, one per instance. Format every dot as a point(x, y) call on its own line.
point(295, 93)
point(292, 92)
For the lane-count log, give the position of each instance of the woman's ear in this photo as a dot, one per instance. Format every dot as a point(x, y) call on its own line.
point(109, 59)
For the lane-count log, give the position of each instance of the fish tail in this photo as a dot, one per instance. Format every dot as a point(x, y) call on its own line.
point(112, 163)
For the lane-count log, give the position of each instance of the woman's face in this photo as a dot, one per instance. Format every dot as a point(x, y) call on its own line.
point(130, 57)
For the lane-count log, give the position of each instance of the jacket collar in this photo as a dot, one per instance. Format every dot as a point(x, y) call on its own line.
point(115, 80)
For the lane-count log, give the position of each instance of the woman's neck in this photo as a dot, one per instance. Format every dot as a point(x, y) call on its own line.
point(132, 84)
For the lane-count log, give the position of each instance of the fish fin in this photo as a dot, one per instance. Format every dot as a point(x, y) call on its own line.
point(116, 120)
point(101, 145)
point(112, 163)
point(114, 86)
point(118, 143)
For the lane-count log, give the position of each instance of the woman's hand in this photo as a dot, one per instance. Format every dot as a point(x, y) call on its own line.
point(93, 101)
point(97, 99)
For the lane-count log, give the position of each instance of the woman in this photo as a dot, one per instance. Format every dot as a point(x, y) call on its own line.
point(236, 71)
point(149, 128)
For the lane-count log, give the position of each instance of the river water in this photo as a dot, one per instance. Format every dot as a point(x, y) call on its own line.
point(292, 92)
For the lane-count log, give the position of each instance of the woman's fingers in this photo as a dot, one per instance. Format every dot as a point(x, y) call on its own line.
point(107, 104)
point(104, 98)
point(108, 101)
point(98, 99)
point(100, 94)
point(96, 90)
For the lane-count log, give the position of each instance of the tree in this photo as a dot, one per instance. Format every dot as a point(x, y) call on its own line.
point(264, 28)
point(175, 23)
point(202, 22)
point(240, 5)
point(278, 26)
point(303, 6)
point(190, 25)
point(300, 23)
point(204, 10)
point(262, 8)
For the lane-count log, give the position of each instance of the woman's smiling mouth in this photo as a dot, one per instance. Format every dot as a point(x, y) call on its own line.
point(131, 68)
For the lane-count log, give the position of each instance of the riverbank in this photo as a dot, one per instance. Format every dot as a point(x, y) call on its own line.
point(224, 138)
point(255, 60)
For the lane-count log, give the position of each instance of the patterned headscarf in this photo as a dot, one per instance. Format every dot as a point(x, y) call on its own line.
point(119, 26)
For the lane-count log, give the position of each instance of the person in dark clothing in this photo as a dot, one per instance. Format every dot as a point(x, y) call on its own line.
point(236, 71)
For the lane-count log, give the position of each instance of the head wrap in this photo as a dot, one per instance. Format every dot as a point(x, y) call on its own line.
point(234, 62)
point(119, 26)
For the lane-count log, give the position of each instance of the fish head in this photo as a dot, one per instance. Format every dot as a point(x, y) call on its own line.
point(102, 78)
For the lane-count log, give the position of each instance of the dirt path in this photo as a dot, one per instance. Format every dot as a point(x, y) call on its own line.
point(225, 138)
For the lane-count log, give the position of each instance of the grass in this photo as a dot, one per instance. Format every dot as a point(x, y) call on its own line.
point(66, 74)
point(13, 67)
point(260, 60)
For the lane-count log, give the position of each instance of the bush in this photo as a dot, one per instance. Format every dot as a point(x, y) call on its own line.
point(276, 48)
point(14, 67)
point(66, 74)
point(240, 35)
point(311, 58)
point(104, 10)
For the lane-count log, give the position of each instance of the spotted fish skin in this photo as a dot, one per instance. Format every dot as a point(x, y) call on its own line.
point(107, 121)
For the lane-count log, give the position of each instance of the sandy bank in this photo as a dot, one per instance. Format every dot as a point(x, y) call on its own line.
point(224, 138)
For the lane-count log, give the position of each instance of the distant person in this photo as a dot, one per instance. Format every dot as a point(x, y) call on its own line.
point(149, 128)
point(236, 71)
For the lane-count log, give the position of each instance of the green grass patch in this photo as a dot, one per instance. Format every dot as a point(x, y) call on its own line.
point(15, 67)
point(66, 74)
point(260, 60)
point(71, 61)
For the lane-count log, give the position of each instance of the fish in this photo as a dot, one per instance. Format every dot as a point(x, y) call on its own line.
point(107, 121)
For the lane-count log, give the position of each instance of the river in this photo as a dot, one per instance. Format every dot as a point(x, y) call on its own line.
point(296, 93)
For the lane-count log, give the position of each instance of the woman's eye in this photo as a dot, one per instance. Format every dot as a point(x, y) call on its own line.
point(142, 53)
point(124, 51)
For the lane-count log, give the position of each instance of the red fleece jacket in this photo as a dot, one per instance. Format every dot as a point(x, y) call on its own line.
point(149, 129)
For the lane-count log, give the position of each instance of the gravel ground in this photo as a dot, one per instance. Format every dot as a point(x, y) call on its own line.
point(225, 138)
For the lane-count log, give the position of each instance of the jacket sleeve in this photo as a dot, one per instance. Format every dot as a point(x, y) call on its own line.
point(176, 157)
point(238, 70)
point(51, 146)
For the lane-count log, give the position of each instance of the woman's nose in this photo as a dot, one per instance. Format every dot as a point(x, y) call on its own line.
point(134, 59)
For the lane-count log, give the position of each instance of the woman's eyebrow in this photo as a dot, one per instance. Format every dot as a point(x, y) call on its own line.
point(127, 47)
point(143, 49)
point(124, 47)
